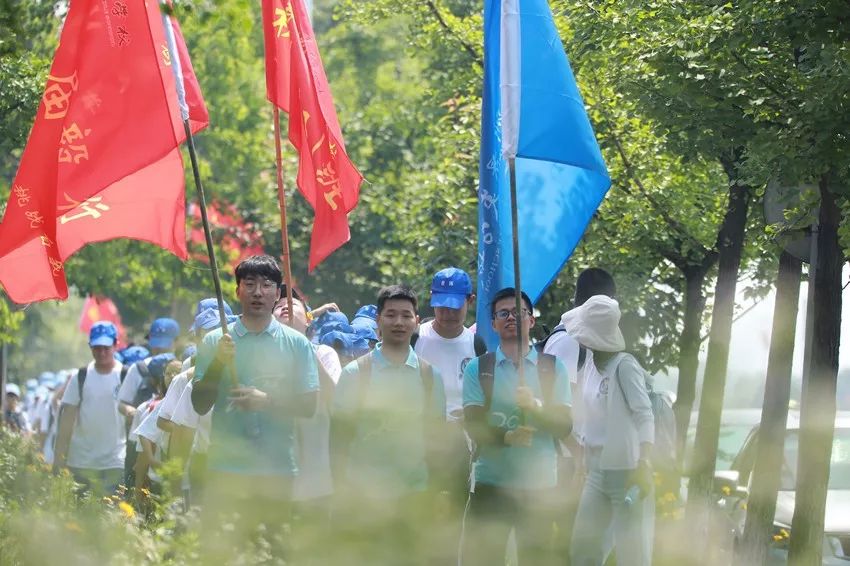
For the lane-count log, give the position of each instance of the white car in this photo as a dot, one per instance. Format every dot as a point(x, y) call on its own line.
point(737, 481)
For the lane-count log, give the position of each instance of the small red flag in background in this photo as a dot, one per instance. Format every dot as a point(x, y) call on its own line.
point(296, 83)
point(96, 309)
point(102, 160)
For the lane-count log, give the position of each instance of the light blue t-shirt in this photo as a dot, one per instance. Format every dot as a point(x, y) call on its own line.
point(532, 467)
point(278, 361)
point(387, 455)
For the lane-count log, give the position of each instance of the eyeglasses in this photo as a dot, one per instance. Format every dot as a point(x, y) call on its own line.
point(504, 314)
point(265, 285)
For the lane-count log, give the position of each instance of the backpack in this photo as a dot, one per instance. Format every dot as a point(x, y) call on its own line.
point(545, 373)
point(664, 449)
point(582, 351)
point(81, 381)
point(426, 373)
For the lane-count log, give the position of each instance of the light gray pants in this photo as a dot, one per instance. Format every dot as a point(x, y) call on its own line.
point(602, 507)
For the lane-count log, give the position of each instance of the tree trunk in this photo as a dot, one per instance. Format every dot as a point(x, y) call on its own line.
point(689, 343)
point(730, 244)
point(761, 504)
point(818, 407)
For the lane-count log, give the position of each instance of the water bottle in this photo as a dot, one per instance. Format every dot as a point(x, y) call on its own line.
point(632, 496)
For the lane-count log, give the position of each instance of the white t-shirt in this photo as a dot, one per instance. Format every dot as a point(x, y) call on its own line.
point(450, 356)
point(185, 415)
point(565, 348)
point(175, 390)
point(141, 413)
point(594, 396)
point(98, 440)
point(313, 435)
point(148, 429)
point(132, 381)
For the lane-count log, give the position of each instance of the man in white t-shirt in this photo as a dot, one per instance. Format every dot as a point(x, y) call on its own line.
point(92, 436)
point(446, 343)
point(137, 387)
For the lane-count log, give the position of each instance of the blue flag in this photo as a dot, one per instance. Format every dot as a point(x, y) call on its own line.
point(532, 111)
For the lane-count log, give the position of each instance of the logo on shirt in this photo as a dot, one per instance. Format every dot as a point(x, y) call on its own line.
point(603, 387)
point(463, 365)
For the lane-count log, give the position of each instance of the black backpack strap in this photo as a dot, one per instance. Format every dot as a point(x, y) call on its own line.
point(479, 345)
point(144, 371)
point(414, 339)
point(486, 377)
point(124, 369)
point(81, 381)
point(582, 357)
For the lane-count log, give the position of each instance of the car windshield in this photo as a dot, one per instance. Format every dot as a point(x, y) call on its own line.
point(729, 443)
point(839, 469)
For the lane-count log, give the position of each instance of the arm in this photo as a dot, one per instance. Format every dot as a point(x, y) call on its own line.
point(67, 419)
point(214, 355)
point(164, 424)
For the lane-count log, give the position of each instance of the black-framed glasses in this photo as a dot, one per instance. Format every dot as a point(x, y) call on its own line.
point(504, 314)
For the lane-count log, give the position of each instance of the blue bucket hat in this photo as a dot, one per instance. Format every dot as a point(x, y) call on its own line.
point(103, 333)
point(338, 340)
point(163, 332)
point(450, 288)
point(209, 320)
point(134, 354)
point(366, 311)
point(365, 332)
point(211, 303)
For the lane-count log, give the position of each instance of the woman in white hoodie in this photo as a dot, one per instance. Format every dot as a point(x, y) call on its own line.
point(617, 433)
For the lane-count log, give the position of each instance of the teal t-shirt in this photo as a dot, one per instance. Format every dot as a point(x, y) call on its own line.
point(531, 467)
point(387, 454)
point(278, 361)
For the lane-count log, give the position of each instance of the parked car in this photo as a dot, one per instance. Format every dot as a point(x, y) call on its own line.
point(733, 487)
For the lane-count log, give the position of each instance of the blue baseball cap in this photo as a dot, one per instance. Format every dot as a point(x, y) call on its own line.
point(209, 319)
point(134, 354)
point(157, 364)
point(103, 333)
point(450, 288)
point(163, 332)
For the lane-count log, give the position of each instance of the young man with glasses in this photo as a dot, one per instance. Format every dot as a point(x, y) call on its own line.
point(515, 425)
point(252, 459)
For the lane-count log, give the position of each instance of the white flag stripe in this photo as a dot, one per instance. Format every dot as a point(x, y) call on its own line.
point(510, 73)
point(176, 68)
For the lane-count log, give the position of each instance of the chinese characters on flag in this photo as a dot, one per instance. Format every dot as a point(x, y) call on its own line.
point(296, 83)
point(102, 160)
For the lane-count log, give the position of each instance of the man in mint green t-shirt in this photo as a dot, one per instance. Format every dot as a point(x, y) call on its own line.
point(252, 460)
point(387, 408)
point(515, 426)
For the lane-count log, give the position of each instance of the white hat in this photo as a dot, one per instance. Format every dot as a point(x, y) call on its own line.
point(596, 324)
point(13, 389)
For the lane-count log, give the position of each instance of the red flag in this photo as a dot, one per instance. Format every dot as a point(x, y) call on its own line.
point(102, 160)
point(296, 82)
point(101, 308)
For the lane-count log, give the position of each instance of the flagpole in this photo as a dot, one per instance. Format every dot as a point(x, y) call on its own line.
point(517, 279)
point(281, 197)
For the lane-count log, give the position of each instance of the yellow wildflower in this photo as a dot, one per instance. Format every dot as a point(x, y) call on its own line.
point(72, 526)
point(726, 490)
point(127, 509)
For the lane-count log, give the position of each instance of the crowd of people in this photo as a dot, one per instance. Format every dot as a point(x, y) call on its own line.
point(382, 439)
